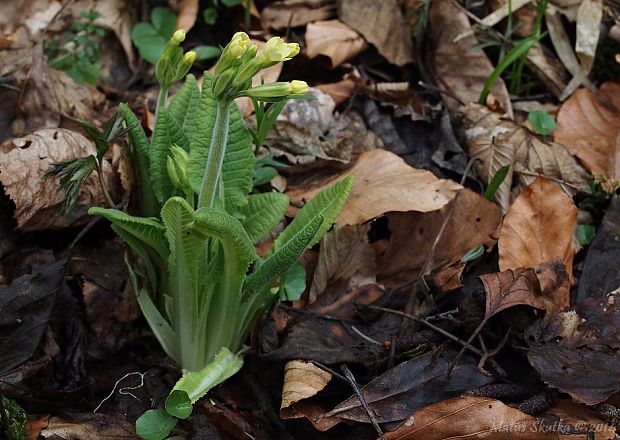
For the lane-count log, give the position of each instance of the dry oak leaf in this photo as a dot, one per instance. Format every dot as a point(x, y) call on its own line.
point(459, 69)
point(382, 24)
point(302, 380)
point(23, 161)
point(498, 142)
point(538, 228)
point(334, 39)
point(483, 418)
point(385, 183)
point(286, 15)
point(590, 128)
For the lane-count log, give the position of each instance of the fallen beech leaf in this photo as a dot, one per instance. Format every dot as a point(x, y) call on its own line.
point(302, 380)
point(590, 129)
point(385, 183)
point(382, 24)
point(411, 385)
point(472, 222)
point(339, 91)
point(314, 413)
point(23, 162)
point(498, 142)
point(467, 81)
point(578, 351)
point(87, 426)
point(334, 39)
point(484, 419)
point(282, 16)
point(188, 12)
point(538, 228)
point(345, 255)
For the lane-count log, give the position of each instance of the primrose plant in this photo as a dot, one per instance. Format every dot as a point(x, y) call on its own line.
point(197, 276)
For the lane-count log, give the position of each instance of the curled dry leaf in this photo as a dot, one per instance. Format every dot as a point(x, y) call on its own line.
point(538, 228)
point(302, 380)
point(345, 255)
point(334, 39)
point(472, 222)
point(578, 351)
point(284, 15)
point(24, 161)
point(385, 183)
point(498, 142)
point(590, 128)
point(466, 82)
point(487, 419)
point(382, 24)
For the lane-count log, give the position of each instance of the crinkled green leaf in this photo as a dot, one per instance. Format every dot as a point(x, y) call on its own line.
point(237, 171)
point(262, 213)
point(184, 106)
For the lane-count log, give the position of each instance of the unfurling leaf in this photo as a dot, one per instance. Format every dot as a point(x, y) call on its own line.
point(72, 174)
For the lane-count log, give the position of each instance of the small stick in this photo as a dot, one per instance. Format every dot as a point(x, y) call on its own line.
point(360, 397)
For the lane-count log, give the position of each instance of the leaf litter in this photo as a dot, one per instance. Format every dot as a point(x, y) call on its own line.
point(419, 265)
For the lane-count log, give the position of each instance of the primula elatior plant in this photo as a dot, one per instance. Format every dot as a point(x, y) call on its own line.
point(197, 276)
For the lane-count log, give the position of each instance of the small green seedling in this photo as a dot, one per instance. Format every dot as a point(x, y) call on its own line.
point(542, 122)
point(496, 181)
point(79, 54)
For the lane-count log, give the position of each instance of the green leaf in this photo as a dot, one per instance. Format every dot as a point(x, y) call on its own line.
point(231, 3)
point(184, 106)
point(542, 122)
point(150, 38)
point(496, 181)
point(197, 384)
point(72, 174)
point(473, 254)
point(237, 171)
point(140, 148)
point(327, 205)
point(585, 234)
point(164, 21)
point(262, 213)
point(210, 15)
point(167, 133)
point(293, 284)
point(178, 404)
point(204, 53)
point(155, 424)
point(264, 175)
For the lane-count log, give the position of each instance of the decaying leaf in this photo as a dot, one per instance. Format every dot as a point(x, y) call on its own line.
point(334, 39)
point(411, 385)
point(466, 82)
point(498, 142)
point(578, 350)
point(472, 222)
point(382, 24)
point(48, 94)
point(25, 309)
point(385, 183)
point(589, 16)
point(339, 91)
point(24, 161)
point(488, 419)
point(285, 15)
point(310, 135)
point(302, 380)
point(538, 228)
point(589, 126)
point(345, 255)
point(87, 426)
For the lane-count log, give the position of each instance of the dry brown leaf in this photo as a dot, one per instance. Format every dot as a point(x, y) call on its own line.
point(23, 161)
point(287, 15)
point(497, 142)
point(345, 255)
point(382, 24)
point(334, 39)
point(589, 16)
point(483, 418)
point(590, 129)
point(472, 222)
point(339, 91)
point(538, 228)
point(313, 412)
point(48, 94)
point(302, 380)
point(86, 426)
point(466, 82)
point(385, 183)
point(188, 13)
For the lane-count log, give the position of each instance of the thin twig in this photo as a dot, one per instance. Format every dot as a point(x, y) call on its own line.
point(489, 354)
point(330, 371)
point(360, 397)
point(363, 336)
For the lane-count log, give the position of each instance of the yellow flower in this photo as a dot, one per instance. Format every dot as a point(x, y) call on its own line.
point(277, 50)
point(189, 57)
point(299, 87)
point(238, 44)
point(178, 36)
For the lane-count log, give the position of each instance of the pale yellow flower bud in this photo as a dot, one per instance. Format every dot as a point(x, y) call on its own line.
point(189, 57)
point(299, 87)
point(276, 50)
point(178, 36)
point(293, 50)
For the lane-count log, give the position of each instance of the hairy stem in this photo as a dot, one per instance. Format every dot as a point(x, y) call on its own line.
point(213, 169)
point(161, 103)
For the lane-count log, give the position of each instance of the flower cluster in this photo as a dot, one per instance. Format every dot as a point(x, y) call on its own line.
point(173, 64)
point(239, 63)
